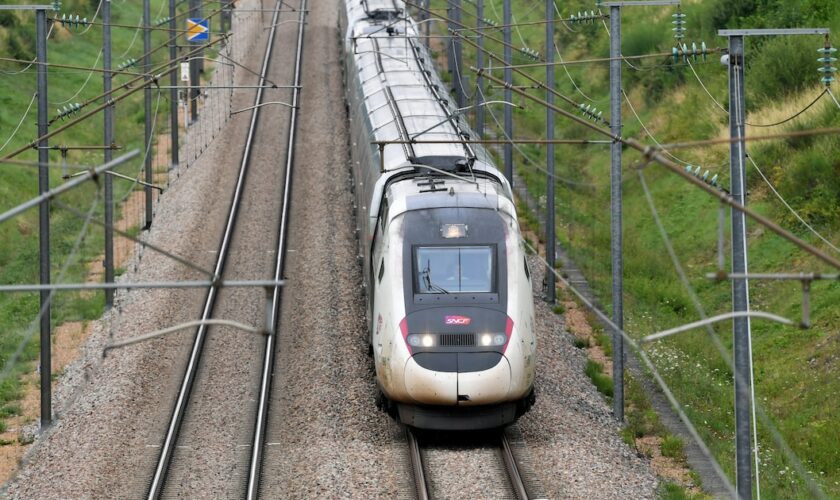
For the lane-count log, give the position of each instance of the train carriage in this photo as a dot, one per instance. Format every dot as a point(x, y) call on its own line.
point(450, 309)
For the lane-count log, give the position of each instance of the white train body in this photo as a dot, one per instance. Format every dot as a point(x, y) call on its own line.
point(449, 296)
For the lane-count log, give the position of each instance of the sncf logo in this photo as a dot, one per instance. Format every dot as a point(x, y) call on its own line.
point(457, 320)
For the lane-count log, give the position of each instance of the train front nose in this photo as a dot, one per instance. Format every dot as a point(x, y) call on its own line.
point(458, 378)
point(458, 359)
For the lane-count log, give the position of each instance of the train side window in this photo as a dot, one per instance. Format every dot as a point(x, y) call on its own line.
point(527, 271)
point(383, 213)
point(381, 270)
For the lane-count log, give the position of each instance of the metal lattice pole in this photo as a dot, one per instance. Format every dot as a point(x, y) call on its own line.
point(457, 55)
point(109, 141)
point(549, 135)
point(740, 291)
point(508, 149)
point(44, 218)
point(479, 61)
point(615, 214)
point(147, 102)
point(192, 95)
point(173, 92)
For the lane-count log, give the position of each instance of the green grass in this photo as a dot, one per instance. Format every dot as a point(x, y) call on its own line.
point(672, 447)
point(795, 371)
point(673, 491)
point(602, 382)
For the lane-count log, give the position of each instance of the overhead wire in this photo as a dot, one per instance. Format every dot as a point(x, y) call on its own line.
point(648, 132)
point(569, 75)
point(832, 97)
point(22, 119)
point(560, 16)
point(787, 205)
point(87, 80)
point(719, 105)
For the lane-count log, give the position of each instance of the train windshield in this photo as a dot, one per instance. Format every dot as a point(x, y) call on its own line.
point(454, 269)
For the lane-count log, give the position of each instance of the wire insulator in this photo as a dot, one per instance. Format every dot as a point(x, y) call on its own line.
point(591, 112)
point(530, 53)
point(682, 50)
point(679, 22)
point(68, 110)
point(585, 17)
point(162, 21)
point(827, 70)
point(694, 170)
point(127, 64)
point(71, 22)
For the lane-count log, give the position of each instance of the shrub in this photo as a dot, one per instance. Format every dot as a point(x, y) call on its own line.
point(784, 65)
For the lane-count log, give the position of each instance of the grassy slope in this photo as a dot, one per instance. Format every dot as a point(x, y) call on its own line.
point(795, 371)
point(19, 237)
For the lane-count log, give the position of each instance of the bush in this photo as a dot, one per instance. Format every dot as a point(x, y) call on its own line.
point(8, 19)
point(784, 65)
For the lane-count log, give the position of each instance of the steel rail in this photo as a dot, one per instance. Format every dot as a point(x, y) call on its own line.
point(418, 469)
point(255, 466)
point(159, 478)
point(512, 469)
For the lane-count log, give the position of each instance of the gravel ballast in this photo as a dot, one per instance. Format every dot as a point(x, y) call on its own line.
point(325, 437)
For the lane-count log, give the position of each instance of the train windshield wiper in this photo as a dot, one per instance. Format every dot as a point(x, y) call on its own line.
point(427, 280)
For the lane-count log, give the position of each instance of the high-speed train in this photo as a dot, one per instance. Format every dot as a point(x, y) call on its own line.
point(450, 309)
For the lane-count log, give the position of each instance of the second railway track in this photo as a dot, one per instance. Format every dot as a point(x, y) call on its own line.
point(218, 411)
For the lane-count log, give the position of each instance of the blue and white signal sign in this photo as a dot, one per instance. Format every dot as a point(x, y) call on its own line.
point(198, 30)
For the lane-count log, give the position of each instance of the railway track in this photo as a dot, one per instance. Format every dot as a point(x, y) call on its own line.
point(173, 442)
point(514, 486)
point(268, 356)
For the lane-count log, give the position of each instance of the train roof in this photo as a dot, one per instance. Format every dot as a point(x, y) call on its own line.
point(404, 96)
point(424, 192)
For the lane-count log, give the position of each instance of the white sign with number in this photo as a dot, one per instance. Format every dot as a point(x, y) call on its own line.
point(185, 72)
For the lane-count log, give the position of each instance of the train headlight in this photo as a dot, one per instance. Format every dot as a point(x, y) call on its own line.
point(424, 340)
point(487, 339)
point(453, 230)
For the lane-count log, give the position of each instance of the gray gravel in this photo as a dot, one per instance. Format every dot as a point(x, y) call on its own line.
point(325, 436)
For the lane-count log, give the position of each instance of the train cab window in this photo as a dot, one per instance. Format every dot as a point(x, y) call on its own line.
point(445, 269)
